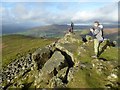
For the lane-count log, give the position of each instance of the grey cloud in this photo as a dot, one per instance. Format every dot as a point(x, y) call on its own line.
point(42, 15)
point(105, 14)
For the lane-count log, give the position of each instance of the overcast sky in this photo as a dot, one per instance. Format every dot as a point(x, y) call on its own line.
point(42, 13)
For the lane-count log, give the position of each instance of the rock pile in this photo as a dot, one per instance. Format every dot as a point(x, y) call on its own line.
point(16, 68)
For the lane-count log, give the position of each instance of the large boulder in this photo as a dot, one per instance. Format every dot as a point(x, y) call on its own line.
point(55, 63)
point(40, 56)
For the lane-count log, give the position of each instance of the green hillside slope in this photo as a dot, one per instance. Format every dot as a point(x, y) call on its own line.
point(14, 46)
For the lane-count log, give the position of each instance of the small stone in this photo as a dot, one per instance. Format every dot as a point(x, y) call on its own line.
point(114, 75)
point(56, 83)
point(8, 80)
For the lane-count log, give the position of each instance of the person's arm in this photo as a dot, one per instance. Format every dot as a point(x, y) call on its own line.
point(97, 30)
point(92, 30)
point(101, 26)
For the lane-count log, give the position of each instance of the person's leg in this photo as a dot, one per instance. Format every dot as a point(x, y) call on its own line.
point(98, 49)
point(72, 29)
point(96, 46)
point(103, 46)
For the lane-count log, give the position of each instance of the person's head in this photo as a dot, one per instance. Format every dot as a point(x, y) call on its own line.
point(96, 23)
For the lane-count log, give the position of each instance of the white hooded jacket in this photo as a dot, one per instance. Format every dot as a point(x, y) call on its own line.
point(98, 32)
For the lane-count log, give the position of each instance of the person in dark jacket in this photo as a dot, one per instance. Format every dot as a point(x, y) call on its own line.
point(72, 25)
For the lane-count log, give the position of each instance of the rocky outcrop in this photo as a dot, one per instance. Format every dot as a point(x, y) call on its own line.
point(15, 69)
point(40, 56)
point(109, 69)
point(55, 63)
point(64, 64)
point(55, 69)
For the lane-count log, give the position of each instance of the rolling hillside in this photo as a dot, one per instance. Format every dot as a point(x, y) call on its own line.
point(14, 46)
point(54, 30)
point(59, 31)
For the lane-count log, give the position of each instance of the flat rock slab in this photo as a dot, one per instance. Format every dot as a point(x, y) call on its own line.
point(57, 61)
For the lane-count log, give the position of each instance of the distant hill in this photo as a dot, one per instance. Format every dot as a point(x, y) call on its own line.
point(27, 28)
point(59, 31)
point(56, 30)
point(10, 29)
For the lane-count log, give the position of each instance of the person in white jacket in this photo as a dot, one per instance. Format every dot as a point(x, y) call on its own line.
point(97, 31)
